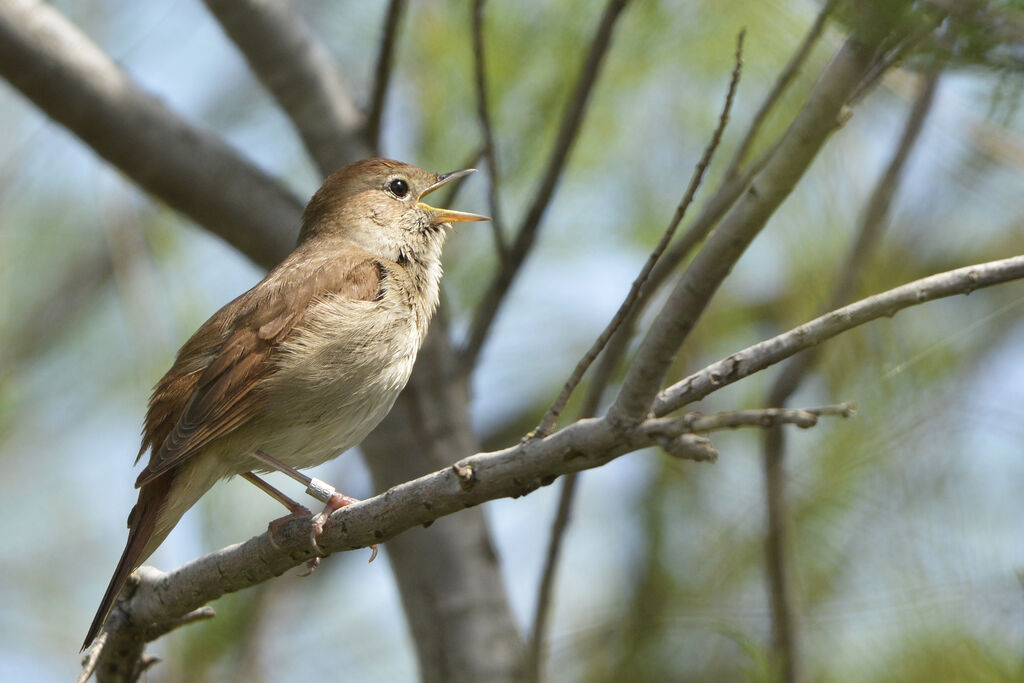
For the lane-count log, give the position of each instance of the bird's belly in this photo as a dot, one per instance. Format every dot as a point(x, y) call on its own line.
point(335, 382)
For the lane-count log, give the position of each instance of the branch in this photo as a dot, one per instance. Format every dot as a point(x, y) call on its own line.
point(163, 598)
point(490, 147)
point(626, 312)
point(805, 137)
point(547, 423)
point(385, 59)
point(721, 200)
point(782, 82)
point(733, 183)
point(759, 356)
point(872, 224)
point(72, 81)
point(567, 133)
point(765, 418)
point(300, 73)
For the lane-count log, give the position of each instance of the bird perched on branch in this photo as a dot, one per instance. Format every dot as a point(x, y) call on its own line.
point(302, 366)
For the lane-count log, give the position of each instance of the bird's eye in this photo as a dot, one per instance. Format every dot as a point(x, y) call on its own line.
point(398, 187)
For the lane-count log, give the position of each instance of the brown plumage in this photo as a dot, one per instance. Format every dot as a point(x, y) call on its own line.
point(305, 363)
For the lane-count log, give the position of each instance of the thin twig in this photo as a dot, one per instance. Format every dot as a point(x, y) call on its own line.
point(782, 82)
point(382, 77)
point(566, 495)
point(568, 131)
point(679, 437)
point(896, 47)
point(538, 636)
point(713, 209)
point(872, 224)
point(547, 423)
point(545, 591)
point(805, 137)
point(780, 347)
point(765, 418)
point(785, 642)
point(490, 147)
point(732, 185)
point(204, 613)
point(92, 657)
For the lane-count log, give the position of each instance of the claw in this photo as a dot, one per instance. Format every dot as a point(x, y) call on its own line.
point(311, 566)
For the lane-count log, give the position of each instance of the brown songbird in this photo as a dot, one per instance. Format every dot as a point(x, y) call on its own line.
point(303, 365)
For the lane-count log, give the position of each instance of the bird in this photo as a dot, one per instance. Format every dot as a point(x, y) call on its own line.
point(302, 366)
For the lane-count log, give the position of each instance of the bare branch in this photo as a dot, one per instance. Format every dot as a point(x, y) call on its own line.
point(92, 658)
point(765, 418)
point(782, 82)
point(567, 133)
point(733, 183)
point(204, 613)
point(720, 202)
point(160, 598)
point(626, 315)
point(300, 73)
point(785, 646)
point(545, 590)
point(547, 423)
point(872, 223)
point(759, 356)
point(385, 59)
point(689, 447)
point(484, 114)
point(71, 80)
point(805, 137)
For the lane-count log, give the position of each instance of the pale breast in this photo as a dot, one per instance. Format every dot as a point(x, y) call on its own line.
point(338, 375)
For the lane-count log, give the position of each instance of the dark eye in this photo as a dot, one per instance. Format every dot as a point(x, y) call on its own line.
point(398, 187)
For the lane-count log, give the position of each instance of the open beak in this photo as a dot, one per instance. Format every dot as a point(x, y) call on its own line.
point(439, 216)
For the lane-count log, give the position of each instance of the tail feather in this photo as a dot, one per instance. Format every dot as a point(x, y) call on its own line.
point(142, 541)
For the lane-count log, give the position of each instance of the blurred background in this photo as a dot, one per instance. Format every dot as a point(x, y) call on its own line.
point(907, 557)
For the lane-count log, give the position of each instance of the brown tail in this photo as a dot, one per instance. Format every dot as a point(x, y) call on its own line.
point(141, 543)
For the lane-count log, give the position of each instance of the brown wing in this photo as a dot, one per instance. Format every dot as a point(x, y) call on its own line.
point(209, 391)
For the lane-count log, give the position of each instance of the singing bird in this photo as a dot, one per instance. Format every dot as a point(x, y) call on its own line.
point(302, 366)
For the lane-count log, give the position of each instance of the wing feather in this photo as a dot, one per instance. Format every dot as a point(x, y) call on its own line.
point(209, 392)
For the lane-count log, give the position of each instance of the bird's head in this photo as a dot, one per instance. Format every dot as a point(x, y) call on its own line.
point(377, 205)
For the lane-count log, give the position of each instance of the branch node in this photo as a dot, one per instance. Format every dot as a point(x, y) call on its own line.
point(689, 447)
point(573, 454)
point(201, 614)
point(972, 279)
point(146, 662)
point(465, 475)
point(844, 115)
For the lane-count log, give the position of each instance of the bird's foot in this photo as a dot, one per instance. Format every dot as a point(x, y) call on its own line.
point(319, 522)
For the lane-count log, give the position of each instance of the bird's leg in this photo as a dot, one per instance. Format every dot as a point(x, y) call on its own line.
point(295, 511)
point(317, 488)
